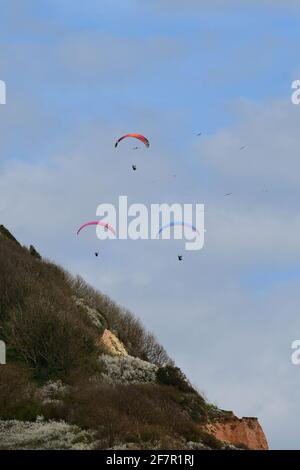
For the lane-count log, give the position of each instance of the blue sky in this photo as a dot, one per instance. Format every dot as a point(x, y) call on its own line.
point(79, 75)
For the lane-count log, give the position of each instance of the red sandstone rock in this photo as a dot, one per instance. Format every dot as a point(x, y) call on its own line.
point(246, 431)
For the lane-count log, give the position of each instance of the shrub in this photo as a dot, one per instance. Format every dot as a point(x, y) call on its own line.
point(127, 370)
point(34, 252)
point(16, 435)
point(52, 392)
point(211, 441)
point(128, 413)
point(17, 393)
point(192, 404)
point(52, 339)
point(241, 446)
point(6, 234)
point(170, 375)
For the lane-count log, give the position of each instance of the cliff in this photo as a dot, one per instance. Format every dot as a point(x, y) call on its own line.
point(78, 364)
point(240, 432)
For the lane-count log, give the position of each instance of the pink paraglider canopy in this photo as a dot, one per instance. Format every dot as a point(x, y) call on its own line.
point(97, 222)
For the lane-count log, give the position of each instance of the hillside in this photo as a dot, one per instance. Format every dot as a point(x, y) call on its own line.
point(82, 372)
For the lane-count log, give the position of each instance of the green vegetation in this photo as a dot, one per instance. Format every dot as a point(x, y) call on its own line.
point(17, 393)
point(6, 234)
point(170, 375)
point(46, 328)
point(210, 441)
point(140, 414)
point(51, 323)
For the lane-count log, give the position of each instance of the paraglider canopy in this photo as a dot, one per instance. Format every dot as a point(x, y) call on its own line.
point(173, 224)
point(140, 137)
point(97, 222)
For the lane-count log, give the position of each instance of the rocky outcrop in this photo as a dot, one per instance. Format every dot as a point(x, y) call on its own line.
point(110, 344)
point(241, 432)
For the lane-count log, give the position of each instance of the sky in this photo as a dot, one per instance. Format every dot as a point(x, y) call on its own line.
point(79, 75)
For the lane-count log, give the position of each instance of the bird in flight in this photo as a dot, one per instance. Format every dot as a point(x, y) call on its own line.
point(243, 147)
point(179, 257)
point(227, 194)
point(96, 253)
point(199, 133)
point(134, 167)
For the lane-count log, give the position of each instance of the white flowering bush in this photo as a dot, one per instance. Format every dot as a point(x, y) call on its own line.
point(94, 315)
point(44, 435)
point(52, 392)
point(127, 370)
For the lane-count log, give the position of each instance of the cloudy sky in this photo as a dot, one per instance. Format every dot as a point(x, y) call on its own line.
point(78, 75)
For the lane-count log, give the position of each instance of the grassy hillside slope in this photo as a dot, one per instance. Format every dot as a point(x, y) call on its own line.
point(61, 374)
